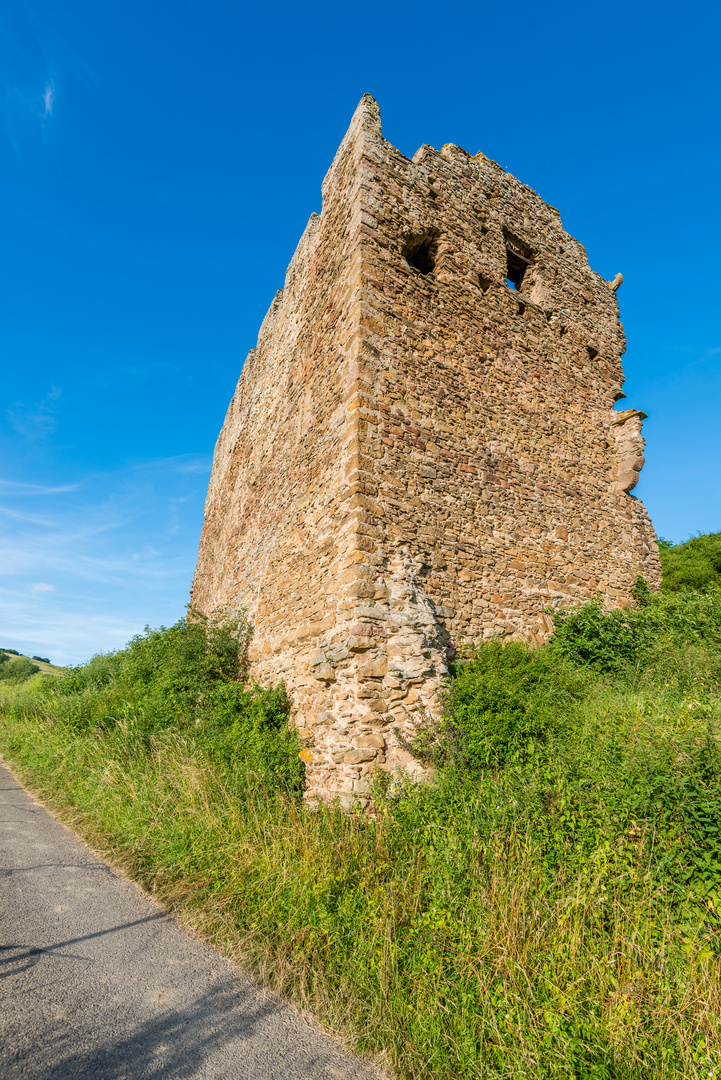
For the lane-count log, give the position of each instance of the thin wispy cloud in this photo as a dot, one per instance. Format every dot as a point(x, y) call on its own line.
point(30, 519)
point(66, 633)
point(36, 421)
point(28, 110)
point(190, 463)
point(84, 572)
point(178, 463)
point(16, 488)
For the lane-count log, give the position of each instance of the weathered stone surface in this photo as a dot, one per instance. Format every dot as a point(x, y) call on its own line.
point(376, 741)
point(629, 447)
point(422, 450)
point(375, 669)
point(324, 672)
point(360, 644)
point(355, 757)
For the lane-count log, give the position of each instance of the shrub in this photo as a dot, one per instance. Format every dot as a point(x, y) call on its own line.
point(94, 675)
point(42, 659)
point(503, 702)
point(583, 763)
point(190, 678)
point(18, 670)
point(193, 653)
point(606, 640)
point(633, 638)
point(250, 724)
point(693, 565)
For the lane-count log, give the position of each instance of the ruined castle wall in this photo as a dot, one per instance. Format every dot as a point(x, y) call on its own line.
point(418, 456)
point(275, 536)
point(491, 448)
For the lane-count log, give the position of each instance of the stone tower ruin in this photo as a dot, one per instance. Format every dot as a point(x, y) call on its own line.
point(422, 448)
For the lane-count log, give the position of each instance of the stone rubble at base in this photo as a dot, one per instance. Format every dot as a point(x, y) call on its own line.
point(421, 451)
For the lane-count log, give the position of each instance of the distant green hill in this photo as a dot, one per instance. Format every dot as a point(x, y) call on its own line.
point(693, 565)
point(15, 667)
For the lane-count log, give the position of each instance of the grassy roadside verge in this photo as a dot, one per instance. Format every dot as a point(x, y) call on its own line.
point(550, 912)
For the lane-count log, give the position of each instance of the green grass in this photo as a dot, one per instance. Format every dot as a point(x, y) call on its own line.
point(549, 906)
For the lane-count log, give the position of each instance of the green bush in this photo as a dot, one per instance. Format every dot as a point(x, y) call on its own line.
point(583, 765)
point(191, 655)
point(190, 678)
point(637, 637)
point(605, 640)
point(96, 674)
point(503, 702)
point(250, 723)
point(693, 565)
point(17, 670)
point(558, 737)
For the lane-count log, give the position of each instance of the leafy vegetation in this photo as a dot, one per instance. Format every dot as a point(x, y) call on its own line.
point(693, 565)
point(657, 632)
point(504, 703)
point(16, 669)
point(548, 906)
point(188, 680)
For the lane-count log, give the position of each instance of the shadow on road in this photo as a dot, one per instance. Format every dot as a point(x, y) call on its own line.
point(9, 953)
point(122, 1009)
point(211, 1038)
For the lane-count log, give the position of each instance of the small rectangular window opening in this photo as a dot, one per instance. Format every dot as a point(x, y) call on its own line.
point(516, 268)
point(420, 251)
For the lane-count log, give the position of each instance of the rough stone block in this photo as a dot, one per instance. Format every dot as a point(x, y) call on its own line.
point(324, 672)
point(376, 741)
point(355, 757)
point(375, 669)
point(360, 644)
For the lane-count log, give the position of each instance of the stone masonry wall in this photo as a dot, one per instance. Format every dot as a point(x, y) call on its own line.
point(422, 449)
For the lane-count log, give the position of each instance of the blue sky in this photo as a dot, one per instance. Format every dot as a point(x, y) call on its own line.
point(158, 163)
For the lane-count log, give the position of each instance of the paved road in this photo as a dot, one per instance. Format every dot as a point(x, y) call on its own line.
point(95, 981)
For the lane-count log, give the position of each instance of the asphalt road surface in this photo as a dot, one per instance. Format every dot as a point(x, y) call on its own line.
point(96, 981)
